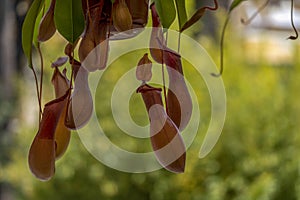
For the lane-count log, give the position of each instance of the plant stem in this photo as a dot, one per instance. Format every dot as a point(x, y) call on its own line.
point(292, 22)
point(42, 72)
point(222, 47)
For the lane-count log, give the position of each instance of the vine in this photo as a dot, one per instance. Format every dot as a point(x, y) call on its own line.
point(88, 25)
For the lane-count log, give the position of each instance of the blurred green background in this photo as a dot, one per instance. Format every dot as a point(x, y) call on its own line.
point(255, 158)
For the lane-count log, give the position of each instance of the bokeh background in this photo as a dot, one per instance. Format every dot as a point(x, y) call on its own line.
point(257, 156)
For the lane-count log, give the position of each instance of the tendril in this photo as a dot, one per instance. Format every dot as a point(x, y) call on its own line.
point(222, 48)
point(41, 78)
point(250, 19)
point(179, 42)
point(292, 22)
point(38, 93)
point(212, 8)
point(163, 75)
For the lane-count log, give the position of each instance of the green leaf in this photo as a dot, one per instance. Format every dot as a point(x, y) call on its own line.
point(234, 4)
point(181, 12)
point(28, 28)
point(69, 19)
point(36, 29)
point(166, 11)
point(38, 20)
point(196, 16)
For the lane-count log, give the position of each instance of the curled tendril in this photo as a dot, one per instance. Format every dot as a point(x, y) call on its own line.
point(292, 37)
point(261, 8)
point(224, 31)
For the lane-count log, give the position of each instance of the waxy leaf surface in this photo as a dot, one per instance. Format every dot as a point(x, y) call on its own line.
point(28, 29)
point(166, 11)
point(69, 19)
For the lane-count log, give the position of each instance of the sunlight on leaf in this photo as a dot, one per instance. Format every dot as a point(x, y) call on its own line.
point(181, 12)
point(28, 29)
point(166, 11)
